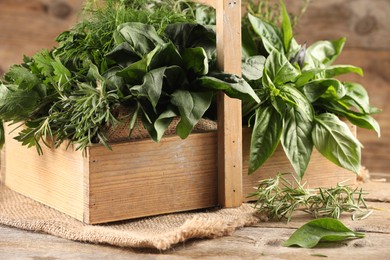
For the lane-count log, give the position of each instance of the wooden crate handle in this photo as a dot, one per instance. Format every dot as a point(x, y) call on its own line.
point(229, 110)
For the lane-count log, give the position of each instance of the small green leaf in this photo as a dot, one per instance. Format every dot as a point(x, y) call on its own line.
point(271, 36)
point(142, 38)
point(326, 88)
point(266, 133)
point(253, 67)
point(336, 70)
point(123, 54)
point(324, 229)
point(279, 69)
point(286, 28)
point(231, 85)
point(192, 106)
point(195, 60)
point(151, 86)
point(334, 140)
point(323, 52)
point(162, 122)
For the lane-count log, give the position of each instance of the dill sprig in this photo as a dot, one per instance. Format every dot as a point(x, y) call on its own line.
point(279, 198)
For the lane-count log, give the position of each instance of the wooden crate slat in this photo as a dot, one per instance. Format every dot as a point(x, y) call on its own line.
point(229, 110)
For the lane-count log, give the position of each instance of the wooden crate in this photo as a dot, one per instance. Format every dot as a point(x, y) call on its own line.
point(140, 178)
point(143, 178)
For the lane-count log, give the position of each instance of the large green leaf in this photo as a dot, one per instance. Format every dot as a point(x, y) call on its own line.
point(253, 67)
point(142, 38)
point(189, 35)
point(334, 140)
point(358, 119)
point(164, 55)
point(232, 85)
point(323, 52)
point(336, 70)
point(294, 97)
point(271, 36)
point(192, 106)
point(296, 139)
point(357, 96)
point(325, 88)
point(123, 54)
point(279, 69)
point(265, 137)
point(324, 229)
point(135, 72)
point(196, 61)
point(151, 86)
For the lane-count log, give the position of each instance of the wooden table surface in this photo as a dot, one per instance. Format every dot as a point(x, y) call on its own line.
point(258, 242)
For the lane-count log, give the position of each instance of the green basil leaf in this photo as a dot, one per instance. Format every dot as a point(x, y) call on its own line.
point(196, 61)
point(323, 52)
point(336, 70)
point(271, 36)
point(298, 100)
point(358, 119)
point(253, 67)
point(232, 85)
point(306, 76)
point(324, 229)
point(151, 86)
point(286, 28)
point(192, 106)
point(334, 140)
point(142, 38)
point(265, 137)
point(296, 139)
point(357, 96)
point(325, 88)
point(279, 69)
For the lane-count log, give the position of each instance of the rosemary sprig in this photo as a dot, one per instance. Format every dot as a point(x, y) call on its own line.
point(279, 198)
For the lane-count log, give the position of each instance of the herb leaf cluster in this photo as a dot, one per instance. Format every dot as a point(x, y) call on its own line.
point(301, 101)
point(148, 60)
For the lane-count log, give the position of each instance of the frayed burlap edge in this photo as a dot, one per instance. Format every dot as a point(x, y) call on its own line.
point(160, 232)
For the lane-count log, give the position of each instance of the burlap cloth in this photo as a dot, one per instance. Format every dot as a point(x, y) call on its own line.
point(161, 232)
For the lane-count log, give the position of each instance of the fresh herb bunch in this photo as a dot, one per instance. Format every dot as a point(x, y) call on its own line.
point(301, 101)
point(134, 56)
point(279, 198)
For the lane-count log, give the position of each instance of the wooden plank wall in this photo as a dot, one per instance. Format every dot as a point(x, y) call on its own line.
point(27, 26)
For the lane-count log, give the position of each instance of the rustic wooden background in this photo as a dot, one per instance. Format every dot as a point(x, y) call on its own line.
point(27, 26)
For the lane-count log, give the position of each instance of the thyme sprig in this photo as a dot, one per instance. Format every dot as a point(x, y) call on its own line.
point(279, 198)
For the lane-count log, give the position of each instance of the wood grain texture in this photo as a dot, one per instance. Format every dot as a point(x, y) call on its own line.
point(365, 23)
point(54, 179)
point(229, 110)
point(262, 241)
point(146, 178)
point(29, 26)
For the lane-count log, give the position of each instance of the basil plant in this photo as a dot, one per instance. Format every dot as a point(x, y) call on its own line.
point(301, 101)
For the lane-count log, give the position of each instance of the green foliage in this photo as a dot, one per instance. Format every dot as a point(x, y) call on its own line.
point(144, 57)
point(298, 83)
point(321, 230)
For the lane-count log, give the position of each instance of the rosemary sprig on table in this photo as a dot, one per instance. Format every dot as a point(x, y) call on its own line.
point(279, 198)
